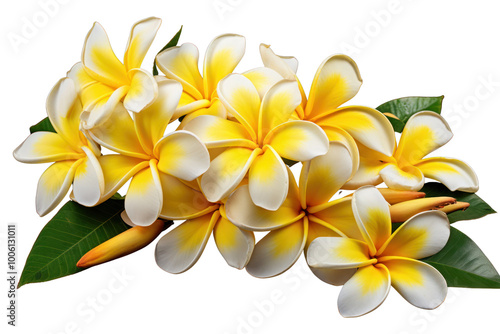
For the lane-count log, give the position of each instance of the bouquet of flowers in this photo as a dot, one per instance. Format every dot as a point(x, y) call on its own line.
point(216, 150)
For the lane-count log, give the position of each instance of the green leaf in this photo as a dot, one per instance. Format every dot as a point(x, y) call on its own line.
point(405, 107)
point(397, 125)
point(289, 162)
point(172, 42)
point(72, 232)
point(477, 209)
point(43, 125)
point(463, 264)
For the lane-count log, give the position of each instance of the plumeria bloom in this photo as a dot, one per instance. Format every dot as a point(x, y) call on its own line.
point(180, 249)
point(307, 213)
point(337, 80)
point(199, 95)
point(103, 80)
point(406, 167)
point(382, 259)
point(74, 156)
point(257, 143)
point(146, 154)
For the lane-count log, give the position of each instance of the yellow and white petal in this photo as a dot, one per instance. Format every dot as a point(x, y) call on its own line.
point(298, 140)
point(181, 201)
point(338, 135)
point(277, 106)
point(118, 134)
point(408, 178)
point(226, 172)
point(100, 61)
point(241, 210)
point(188, 105)
point(365, 291)
point(453, 173)
point(219, 132)
point(338, 213)
point(142, 92)
point(421, 236)
point(181, 63)
point(286, 66)
point(336, 82)
point(241, 99)
point(424, 132)
point(222, 56)
point(88, 183)
point(327, 275)
point(44, 146)
point(366, 125)
point(215, 109)
point(117, 169)
point(64, 110)
point(278, 250)
point(372, 214)
point(81, 78)
point(323, 176)
point(419, 283)
point(268, 180)
point(368, 174)
point(102, 110)
point(263, 79)
point(141, 37)
point(180, 249)
point(183, 155)
point(235, 245)
point(370, 165)
point(54, 185)
point(151, 122)
point(338, 253)
point(144, 198)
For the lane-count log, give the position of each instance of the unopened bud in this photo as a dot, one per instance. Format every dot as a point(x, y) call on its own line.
point(455, 207)
point(397, 196)
point(403, 211)
point(123, 244)
point(388, 114)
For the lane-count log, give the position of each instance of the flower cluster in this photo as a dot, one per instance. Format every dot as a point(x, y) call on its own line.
point(213, 149)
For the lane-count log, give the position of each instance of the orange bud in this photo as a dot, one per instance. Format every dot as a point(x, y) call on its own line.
point(397, 196)
point(388, 114)
point(455, 207)
point(401, 212)
point(123, 244)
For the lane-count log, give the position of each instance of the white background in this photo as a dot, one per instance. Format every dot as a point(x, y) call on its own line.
point(424, 48)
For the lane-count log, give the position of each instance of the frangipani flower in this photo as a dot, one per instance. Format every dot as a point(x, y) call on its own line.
point(199, 95)
point(74, 157)
point(146, 154)
point(180, 249)
point(383, 259)
point(306, 214)
point(257, 143)
point(406, 167)
point(336, 82)
point(103, 80)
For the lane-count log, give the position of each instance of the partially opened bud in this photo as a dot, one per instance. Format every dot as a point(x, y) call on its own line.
point(123, 244)
point(455, 207)
point(397, 196)
point(403, 211)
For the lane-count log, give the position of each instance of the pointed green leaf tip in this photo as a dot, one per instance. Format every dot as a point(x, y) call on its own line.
point(43, 125)
point(477, 209)
point(72, 232)
point(463, 264)
point(171, 43)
